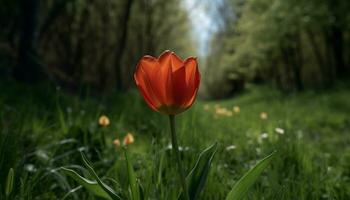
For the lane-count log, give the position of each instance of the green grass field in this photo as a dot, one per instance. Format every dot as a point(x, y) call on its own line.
point(44, 128)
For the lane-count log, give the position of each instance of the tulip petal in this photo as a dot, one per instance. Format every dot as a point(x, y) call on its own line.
point(191, 100)
point(165, 58)
point(176, 62)
point(170, 58)
point(163, 81)
point(149, 65)
point(148, 100)
point(179, 86)
point(155, 77)
point(192, 79)
point(142, 79)
point(191, 67)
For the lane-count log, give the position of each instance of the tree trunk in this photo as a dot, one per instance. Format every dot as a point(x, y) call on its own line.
point(149, 28)
point(338, 50)
point(330, 72)
point(28, 68)
point(53, 14)
point(298, 62)
point(121, 44)
point(319, 58)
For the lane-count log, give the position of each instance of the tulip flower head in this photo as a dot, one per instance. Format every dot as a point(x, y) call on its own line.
point(103, 121)
point(116, 142)
point(168, 84)
point(128, 139)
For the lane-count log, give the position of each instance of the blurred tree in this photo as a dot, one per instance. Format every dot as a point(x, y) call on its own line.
point(91, 44)
point(28, 68)
point(292, 43)
point(122, 42)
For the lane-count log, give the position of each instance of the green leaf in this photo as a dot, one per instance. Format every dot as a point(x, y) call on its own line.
point(198, 175)
point(105, 187)
point(134, 187)
point(9, 182)
point(241, 188)
point(92, 186)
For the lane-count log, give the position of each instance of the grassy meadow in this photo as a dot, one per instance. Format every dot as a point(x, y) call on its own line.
point(43, 128)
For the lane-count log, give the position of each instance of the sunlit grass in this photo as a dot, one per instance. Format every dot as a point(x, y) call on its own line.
point(43, 131)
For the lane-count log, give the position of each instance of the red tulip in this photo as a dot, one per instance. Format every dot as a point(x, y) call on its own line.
point(168, 84)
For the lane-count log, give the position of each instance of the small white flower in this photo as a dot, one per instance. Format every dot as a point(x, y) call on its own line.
point(279, 130)
point(264, 135)
point(30, 168)
point(329, 168)
point(69, 110)
point(180, 148)
point(231, 147)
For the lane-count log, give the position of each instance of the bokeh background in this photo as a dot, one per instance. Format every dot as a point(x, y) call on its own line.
point(291, 44)
point(275, 76)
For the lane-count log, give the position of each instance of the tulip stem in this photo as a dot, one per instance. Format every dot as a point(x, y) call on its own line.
point(175, 148)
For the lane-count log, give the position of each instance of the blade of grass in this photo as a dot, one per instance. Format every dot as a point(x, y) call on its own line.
point(198, 175)
point(9, 182)
point(105, 187)
point(91, 186)
point(241, 188)
point(134, 187)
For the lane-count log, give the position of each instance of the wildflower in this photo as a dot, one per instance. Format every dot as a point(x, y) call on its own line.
point(170, 146)
point(128, 139)
point(206, 107)
point(279, 131)
point(168, 84)
point(264, 136)
point(231, 147)
point(103, 121)
point(228, 113)
point(263, 115)
point(116, 142)
point(221, 111)
point(236, 109)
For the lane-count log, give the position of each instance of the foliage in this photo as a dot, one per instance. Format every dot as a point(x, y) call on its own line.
point(293, 44)
point(89, 44)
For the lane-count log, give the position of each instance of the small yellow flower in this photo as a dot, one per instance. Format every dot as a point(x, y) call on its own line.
point(206, 107)
point(229, 113)
point(219, 111)
point(263, 115)
point(223, 112)
point(103, 121)
point(128, 139)
point(236, 109)
point(116, 142)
